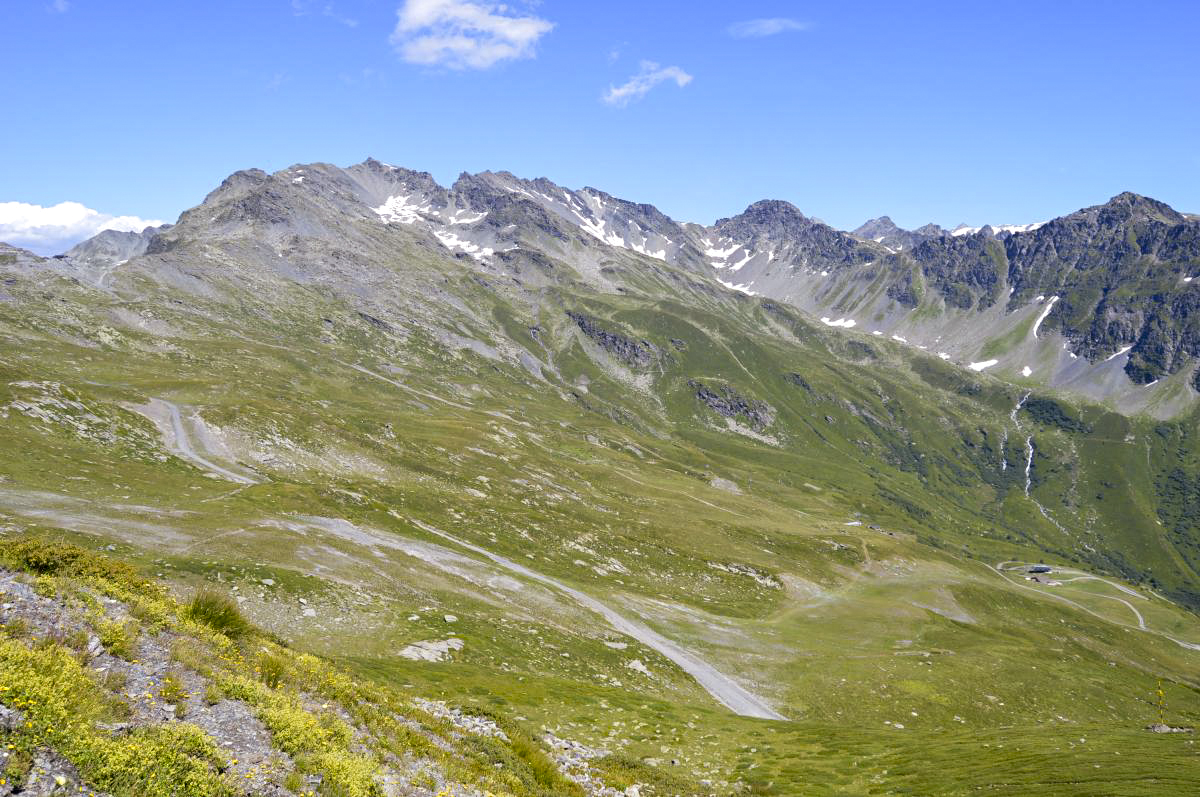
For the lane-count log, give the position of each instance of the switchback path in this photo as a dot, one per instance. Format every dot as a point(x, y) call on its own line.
point(179, 443)
point(724, 689)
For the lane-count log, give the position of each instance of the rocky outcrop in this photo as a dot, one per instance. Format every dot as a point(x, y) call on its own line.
point(634, 353)
point(727, 402)
point(966, 270)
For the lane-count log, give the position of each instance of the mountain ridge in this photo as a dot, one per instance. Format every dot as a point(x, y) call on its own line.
point(927, 286)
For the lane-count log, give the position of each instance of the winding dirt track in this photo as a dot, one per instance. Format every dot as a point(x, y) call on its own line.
point(182, 445)
point(1082, 576)
point(724, 689)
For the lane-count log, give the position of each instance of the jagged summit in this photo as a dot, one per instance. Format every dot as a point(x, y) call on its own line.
point(881, 225)
point(886, 232)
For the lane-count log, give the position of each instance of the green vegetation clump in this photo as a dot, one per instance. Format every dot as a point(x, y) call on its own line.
point(172, 689)
point(42, 557)
point(1049, 412)
point(217, 611)
point(271, 669)
point(526, 766)
point(318, 743)
point(622, 771)
point(118, 638)
point(62, 706)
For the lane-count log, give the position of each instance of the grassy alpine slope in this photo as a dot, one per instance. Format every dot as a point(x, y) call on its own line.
point(815, 515)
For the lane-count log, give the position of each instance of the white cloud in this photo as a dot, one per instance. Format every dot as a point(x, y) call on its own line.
point(464, 35)
point(757, 28)
point(304, 8)
point(49, 231)
point(637, 86)
point(60, 6)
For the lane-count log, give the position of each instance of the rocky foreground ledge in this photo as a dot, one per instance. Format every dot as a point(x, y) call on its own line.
point(111, 688)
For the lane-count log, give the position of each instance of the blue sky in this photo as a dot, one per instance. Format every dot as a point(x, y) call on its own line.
point(927, 111)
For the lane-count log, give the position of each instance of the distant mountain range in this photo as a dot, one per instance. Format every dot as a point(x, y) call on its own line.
point(1099, 302)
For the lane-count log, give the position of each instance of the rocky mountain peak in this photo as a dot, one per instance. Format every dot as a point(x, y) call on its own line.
point(111, 247)
point(240, 180)
point(773, 211)
point(876, 227)
point(1135, 207)
point(886, 232)
point(930, 230)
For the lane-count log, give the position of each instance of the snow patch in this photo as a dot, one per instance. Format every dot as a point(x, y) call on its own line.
point(459, 218)
point(848, 323)
point(721, 254)
point(1026, 371)
point(742, 288)
point(1119, 352)
point(979, 366)
point(1049, 306)
point(401, 209)
point(452, 241)
point(738, 265)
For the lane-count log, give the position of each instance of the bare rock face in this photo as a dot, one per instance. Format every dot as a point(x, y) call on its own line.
point(729, 403)
point(1120, 270)
point(634, 353)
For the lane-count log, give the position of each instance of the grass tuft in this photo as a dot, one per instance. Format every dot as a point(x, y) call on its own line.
point(271, 669)
point(219, 612)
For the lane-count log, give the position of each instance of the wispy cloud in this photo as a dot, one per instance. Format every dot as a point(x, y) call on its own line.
point(650, 75)
point(757, 28)
point(458, 34)
point(304, 8)
point(57, 228)
point(60, 6)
